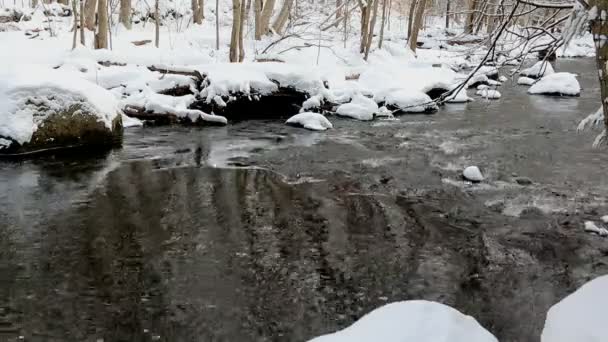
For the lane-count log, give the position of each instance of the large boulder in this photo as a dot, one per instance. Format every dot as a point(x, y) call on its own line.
point(42, 110)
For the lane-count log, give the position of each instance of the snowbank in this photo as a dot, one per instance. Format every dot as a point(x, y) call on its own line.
point(560, 84)
point(29, 95)
point(360, 108)
point(412, 321)
point(538, 70)
point(581, 316)
point(309, 120)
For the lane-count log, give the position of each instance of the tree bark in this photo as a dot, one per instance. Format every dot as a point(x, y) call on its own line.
point(365, 14)
point(201, 9)
point(258, 19)
point(241, 29)
point(156, 24)
point(381, 38)
point(279, 23)
point(599, 29)
point(338, 12)
point(413, 39)
point(370, 34)
point(101, 38)
point(447, 14)
point(89, 14)
point(124, 16)
point(265, 17)
point(410, 19)
point(75, 24)
point(234, 37)
point(217, 24)
point(470, 22)
point(82, 39)
point(196, 13)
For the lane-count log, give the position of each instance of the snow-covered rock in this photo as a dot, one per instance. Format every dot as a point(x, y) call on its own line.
point(604, 218)
point(523, 80)
point(459, 97)
point(581, 316)
point(44, 109)
point(473, 174)
point(477, 80)
point(482, 86)
point(591, 227)
point(309, 120)
point(538, 70)
point(489, 94)
point(412, 321)
point(360, 108)
point(406, 101)
point(502, 78)
point(560, 84)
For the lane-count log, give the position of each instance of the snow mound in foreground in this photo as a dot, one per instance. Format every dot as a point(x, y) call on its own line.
point(581, 316)
point(309, 120)
point(561, 83)
point(30, 94)
point(360, 108)
point(538, 70)
point(412, 321)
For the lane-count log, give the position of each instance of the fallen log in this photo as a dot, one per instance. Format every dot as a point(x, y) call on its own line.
point(167, 116)
point(178, 71)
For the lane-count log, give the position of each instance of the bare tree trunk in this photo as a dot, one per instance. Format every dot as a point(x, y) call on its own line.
point(279, 23)
point(372, 25)
point(201, 9)
point(124, 16)
point(470, 22)
point(89, 14)
point(447, 14)
point(217, 24)
point(338, 12)
point(241, 29)
point(266, 14)
point(258, 19)
point(384, 10)
point(410, 19)
point(101, 38)
point(82, 40)
point(599, 29)
point(413, 39)
point(365, 14)
point(491, 18)
point(156, 24)
point(196, 13)
point(234, 37)
point(34, 3)
point(74, 38)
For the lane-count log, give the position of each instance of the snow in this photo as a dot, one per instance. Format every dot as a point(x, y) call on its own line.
point(412, 321)
point(459, 97)
point(406, 101)
point(561, 83)
point(310, 120)
point(502, 78)
point(591, 227)
point(23, 94)
point(523, 80)
point(489, 94)
point(128, 121)
point(604, 218)
point(581, 316)
point(360, 108)
point(472, 173)
point(539, 69)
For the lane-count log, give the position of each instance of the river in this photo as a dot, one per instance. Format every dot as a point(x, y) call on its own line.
point(263, 232)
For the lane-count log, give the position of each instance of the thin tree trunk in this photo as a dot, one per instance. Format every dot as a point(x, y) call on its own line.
point(89, 15)
point(266, 14)
point(234, 37)
point(470, 22)
point(365, 14)
point(384, 10)
point(74, 38)
point(447, 14)
point(241, 29)
point(413, 39)
point(258, 19)
point(201, 9)
point(217, 24)
point(124, 16)
point(372, 25)
point(338, 12)
point(410, 18)
point(82, 39)
point(156, 24)
point(279, 23)
point(196, 14)
point(101, 38)
point(599, 29)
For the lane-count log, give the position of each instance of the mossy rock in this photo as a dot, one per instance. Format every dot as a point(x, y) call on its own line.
point(73, 127)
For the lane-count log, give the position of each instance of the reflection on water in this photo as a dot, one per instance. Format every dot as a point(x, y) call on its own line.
point(205, 254)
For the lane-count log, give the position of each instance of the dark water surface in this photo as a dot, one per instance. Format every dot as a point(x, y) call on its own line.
point(263, 232)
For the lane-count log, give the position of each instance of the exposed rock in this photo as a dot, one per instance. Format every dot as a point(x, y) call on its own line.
point(523, 180)
point(472, 174)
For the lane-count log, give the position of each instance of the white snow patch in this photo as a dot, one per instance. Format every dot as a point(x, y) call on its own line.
point(459, 97)
point(523, 80)
point(604, 218)
point(309, 120)
point(473, 174)
point(406, 101)
point(581, 316)
point(412, 321)
point(503, 78)
point(360, 108)
point(29, 94)
point(539, 69)
point(561, 83)
point(489, 94)
point(128, 121)
point(591, 227)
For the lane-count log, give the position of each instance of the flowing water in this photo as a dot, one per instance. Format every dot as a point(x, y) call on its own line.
point(263, 232)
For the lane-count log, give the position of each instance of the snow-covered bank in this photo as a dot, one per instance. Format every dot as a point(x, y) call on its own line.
point(412, 321)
